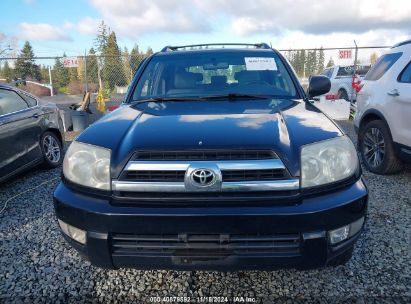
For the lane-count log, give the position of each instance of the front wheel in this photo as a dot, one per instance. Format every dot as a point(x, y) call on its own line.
point(377, 148)
point(52, 150)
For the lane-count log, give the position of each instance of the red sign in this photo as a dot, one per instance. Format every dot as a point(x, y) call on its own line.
point(70, 62)
point(345, 54)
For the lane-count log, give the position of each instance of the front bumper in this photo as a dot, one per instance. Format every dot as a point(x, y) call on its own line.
point(218, 238)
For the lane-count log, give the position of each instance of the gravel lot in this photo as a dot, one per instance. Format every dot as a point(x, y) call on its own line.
point(36, 265)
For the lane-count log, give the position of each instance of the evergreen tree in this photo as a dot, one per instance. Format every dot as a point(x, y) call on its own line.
point(73, 75)
point(101, 44)
point(149, 51)
point(25, 64)
point(44, 72)
point(6, 72)
point(301, 63)
point(101, 40)
point(321, 59)
point(135, 58)
point(92, 66)
point(60, 74)
point(125, 56)
point(330, 63)
point(311, 66)
point(113, 66)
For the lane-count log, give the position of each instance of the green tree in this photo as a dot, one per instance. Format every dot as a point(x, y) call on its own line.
point(60, 74)
point(321, 59)
point(149, 51)
point(301, 63)
point(92, 66)
point(7, 72)
point(44, 72)
point(25, 64)
point(330, 63)
point(125, 56)
point(113, 66)
point(311, 65)
point(100, 43)
point(135, 58)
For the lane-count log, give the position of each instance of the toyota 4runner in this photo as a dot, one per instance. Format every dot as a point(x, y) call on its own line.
point(216, 160)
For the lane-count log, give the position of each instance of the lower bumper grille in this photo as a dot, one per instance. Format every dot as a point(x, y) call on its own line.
point(205, 245)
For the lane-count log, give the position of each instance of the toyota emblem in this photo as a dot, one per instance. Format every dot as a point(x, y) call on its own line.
point(203, 177)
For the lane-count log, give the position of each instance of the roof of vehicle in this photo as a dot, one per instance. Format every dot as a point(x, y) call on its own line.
point(6, 86)
point(401, 43)
point(261, 45)
point(215, 48)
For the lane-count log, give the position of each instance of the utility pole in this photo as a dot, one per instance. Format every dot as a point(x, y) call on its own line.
point(354, 92)
point(85, 71)
point(51, 83)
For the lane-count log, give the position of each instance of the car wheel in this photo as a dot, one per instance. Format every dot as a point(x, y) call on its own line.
point(342, 259)
point(342, 94)
point(52, 150)
point(377, 149)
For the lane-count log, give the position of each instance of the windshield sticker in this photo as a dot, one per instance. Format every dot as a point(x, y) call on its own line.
point(260, 64)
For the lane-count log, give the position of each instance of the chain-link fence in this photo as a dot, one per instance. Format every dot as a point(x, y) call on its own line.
point(108, 77)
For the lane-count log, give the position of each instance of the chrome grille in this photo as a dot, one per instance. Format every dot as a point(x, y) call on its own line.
point(205, 244)
point(180, 172)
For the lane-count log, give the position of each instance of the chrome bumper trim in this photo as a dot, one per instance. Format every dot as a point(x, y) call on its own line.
point(222, 165)
point(277, 185)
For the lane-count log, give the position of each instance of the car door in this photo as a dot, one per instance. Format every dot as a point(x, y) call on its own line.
point(20, 131)
point(399, 94)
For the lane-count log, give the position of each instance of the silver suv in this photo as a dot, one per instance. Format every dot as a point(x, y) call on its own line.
point(383, 118)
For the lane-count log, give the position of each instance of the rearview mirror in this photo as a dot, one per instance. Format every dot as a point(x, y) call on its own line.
point(318, 85)
point(216, 66)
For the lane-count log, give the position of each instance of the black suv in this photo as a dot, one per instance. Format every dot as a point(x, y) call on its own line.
point(215, 160)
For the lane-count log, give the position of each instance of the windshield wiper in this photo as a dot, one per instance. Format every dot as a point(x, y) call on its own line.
point(229, 96)
point(165, 99)
point(232, 96)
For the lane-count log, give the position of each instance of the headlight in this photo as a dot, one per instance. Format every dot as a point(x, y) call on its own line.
point(328, 161)
point(87, 165)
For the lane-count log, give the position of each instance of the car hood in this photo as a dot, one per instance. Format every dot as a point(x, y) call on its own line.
point(284, 128)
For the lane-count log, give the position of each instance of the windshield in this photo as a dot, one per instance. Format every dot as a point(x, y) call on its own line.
point(214, 73)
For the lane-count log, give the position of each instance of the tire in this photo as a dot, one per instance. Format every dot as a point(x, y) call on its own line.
point(377, 148)
point(52, 150)
point(342, 94)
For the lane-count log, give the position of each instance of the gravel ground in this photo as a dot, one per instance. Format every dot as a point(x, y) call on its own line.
point(36, 265)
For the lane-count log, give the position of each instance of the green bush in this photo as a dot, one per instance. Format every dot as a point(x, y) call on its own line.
point(63, 90)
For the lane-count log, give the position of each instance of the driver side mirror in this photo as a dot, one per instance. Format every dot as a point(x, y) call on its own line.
point(318, 85)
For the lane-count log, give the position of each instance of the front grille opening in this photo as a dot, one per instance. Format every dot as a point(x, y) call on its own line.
point(205, 155)
point(253, 175)
point(228, 175)
point(198, 244)
point(154, 176)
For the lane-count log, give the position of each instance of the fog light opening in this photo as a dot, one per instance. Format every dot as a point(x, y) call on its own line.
point(72, 232)
point(340, 234)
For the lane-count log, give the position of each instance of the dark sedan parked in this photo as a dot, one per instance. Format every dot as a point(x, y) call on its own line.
point(30, 133)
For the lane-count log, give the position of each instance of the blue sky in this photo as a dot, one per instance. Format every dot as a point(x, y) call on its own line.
point(54, 27)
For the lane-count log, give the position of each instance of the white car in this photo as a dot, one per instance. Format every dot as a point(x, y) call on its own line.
point(383, 118)
point(341, 80)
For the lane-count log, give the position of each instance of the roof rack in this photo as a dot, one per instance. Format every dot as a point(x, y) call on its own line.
point(401, 43)
point(261, 45)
